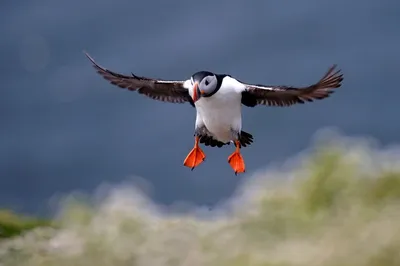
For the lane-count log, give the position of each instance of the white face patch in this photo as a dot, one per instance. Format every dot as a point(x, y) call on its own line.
point(208, 84)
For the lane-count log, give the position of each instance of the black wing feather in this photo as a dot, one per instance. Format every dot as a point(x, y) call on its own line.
point(286, 95)
point(162, 90)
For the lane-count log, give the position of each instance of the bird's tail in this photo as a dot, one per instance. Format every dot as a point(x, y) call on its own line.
point(245, 138)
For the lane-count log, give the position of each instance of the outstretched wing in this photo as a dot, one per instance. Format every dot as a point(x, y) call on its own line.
point(285, 96)
point(162, 90)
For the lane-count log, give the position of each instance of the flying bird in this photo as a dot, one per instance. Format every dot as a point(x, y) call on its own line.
point(218, 100)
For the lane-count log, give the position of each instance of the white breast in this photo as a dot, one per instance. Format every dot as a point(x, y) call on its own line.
point(222, 112)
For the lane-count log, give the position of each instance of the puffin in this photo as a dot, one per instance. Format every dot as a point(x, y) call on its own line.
point(218, 100)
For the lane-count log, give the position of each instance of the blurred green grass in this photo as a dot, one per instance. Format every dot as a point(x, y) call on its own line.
point(14, 224)
point(340, 206)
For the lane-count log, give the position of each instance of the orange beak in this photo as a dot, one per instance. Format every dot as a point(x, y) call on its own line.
point(196, 92)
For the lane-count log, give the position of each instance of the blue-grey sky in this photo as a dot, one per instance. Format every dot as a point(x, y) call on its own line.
point(64, 128)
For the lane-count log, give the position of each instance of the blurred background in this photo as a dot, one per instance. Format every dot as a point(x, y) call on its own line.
point(63, 128)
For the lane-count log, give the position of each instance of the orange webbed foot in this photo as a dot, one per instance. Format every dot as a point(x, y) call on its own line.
point(236, 160)
point(194, 158)
point(237, 163)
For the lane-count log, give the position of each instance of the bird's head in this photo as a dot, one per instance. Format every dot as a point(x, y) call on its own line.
point(204, 84)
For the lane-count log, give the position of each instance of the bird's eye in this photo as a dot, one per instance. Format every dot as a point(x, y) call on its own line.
point(206, 82)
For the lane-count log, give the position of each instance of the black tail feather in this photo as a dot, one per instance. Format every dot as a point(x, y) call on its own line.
point(210, 141)
point(245, 140)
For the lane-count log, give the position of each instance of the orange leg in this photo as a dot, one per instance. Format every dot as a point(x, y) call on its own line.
point(236, 160)
point(195, 157)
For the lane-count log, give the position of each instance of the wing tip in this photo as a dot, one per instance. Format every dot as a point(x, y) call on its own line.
point(90, 58)
point(99, 68)
point(332, 79)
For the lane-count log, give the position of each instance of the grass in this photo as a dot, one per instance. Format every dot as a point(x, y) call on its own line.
point(339, 205)
point(13, 224)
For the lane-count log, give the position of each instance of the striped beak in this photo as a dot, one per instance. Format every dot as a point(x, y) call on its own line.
point(196, 92)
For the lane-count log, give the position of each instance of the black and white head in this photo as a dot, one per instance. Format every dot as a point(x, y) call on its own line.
point(204, 84)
